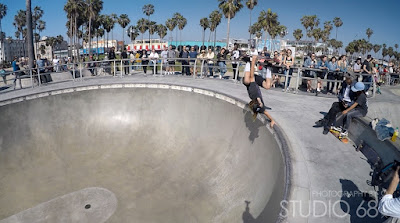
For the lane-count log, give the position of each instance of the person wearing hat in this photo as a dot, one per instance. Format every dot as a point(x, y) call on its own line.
point(256, 104)
point(358, 109)
point(346, 99)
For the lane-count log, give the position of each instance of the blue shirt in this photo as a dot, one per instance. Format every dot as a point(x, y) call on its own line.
point(15, 66)
point(332, 66)
point(193, 54)
point(322, 64)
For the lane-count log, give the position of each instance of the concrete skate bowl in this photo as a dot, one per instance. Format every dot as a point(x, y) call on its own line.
point(138, 155)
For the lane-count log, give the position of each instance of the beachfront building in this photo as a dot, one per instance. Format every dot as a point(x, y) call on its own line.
point(10, 48)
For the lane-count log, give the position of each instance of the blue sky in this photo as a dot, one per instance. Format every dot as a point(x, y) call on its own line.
point(382, 16)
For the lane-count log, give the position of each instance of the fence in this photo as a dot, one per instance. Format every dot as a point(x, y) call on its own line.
point(200, 67)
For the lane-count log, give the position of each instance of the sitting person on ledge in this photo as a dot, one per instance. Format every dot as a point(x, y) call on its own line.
point(346, 99)
point(358, 109)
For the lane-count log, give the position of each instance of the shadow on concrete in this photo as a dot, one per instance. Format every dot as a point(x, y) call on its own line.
point(246, 216)
point(252, 125)
point(354, 202)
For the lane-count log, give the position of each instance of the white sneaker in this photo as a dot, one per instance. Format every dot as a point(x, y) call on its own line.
point(338, 129)
point(344, 133)
point(367, 93)
point(318, 89)
point(220, 76)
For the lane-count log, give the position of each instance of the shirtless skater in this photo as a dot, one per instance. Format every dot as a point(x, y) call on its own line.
point(256, 103)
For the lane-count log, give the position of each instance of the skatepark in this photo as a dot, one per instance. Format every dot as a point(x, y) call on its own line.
point(173, 149)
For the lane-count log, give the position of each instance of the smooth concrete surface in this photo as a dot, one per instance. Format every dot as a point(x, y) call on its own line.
point(167, 155)
point(323, 168)
point(94, 205)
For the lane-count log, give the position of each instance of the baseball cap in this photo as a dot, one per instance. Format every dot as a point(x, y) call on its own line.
point(359, 86)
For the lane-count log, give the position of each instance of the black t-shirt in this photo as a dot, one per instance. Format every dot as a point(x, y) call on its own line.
point(111, 55)
point(368, 65)
point(362, 103)
point(124, 55)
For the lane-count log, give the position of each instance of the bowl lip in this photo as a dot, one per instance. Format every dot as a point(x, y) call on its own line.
point(276, 131)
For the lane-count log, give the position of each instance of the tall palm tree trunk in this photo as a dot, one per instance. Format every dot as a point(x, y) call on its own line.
point(215, 38)
point(250, 23)
point(106, 43)
point(227, 35)
point(31, 53)
point(90, 36)
point(70, 37)
point(204, 34)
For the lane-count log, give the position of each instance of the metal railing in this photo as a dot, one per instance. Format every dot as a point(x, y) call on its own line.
point(196, 67)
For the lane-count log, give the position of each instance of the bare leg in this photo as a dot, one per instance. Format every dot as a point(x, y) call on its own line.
point(272, 123)
point(267, 83)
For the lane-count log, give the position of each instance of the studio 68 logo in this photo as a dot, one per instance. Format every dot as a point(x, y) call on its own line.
point(339, 209)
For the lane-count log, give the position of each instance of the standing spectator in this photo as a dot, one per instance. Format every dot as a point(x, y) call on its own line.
point(185, 62)
point(17, 73)
point(145, 60)
point(333, 69)
point(311, 62)
point(56, 63)
point(221, 62)
point(138, 55)
point(153, 61)
point(111, 56)
point(92, 66)
point(210, 63)
point(125, 61)
point(367, 71)
point(164, 58)
point(288, 63)
point(132, 59)
point(322, 65)
point(235, 57)
point(203, 62)
point(171, 60)
point(3, 74)
point(192, 56)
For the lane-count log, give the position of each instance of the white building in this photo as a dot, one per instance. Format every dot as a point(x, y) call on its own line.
point(11, 48)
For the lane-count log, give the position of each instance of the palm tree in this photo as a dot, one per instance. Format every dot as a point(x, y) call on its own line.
point(152, 27)
point(162, 31)
point(250, 5)
point(298, 34)
point(376, 48)
point(93, 8)
point(229, 8)
point(337, 21)
point(36, 16)
point(133, 32)
point(3, 13)
point(142, 27)
point(256, 29)
point(114, 18)
point(123, 21)
point(269, 21)
point(108, 24)
point(74, 10)
point(369, 33)
point(215, 20)
point(31, 50)
point(148, 10)
point(181, 22)
point(171, 24)
point(205, 25)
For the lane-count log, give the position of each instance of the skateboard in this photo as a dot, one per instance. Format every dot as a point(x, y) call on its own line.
point(337, 135)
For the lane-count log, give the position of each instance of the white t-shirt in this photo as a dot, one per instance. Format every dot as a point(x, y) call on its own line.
point(164, 55)
point(56, 61)
point(390, 206)
point(154, 57)
point(235, 56)
point(247, 67)
point(346, 96)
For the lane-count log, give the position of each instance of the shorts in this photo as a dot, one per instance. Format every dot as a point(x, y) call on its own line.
point(253, 91)
point(191, 63)
point(321, 75)
point(259, 80)
point(171, 62)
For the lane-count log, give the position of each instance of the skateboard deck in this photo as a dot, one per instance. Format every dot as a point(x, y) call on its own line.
point(337, 135)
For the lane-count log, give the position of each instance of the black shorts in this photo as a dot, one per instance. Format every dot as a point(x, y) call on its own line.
point(259, 80)
point(321, 75)
point(171, 62)
point(253, 91)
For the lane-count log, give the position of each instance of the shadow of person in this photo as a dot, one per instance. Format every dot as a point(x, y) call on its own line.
point(362, 207)
point(252, 125)
point(246, 216)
